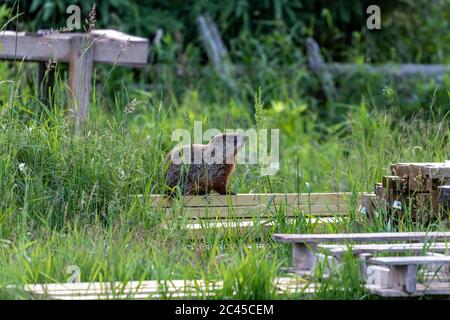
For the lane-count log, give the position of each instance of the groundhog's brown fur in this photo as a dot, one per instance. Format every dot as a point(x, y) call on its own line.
point(210, 168)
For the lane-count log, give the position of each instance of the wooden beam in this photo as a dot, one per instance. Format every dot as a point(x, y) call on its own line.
point(362, 237)
point(333, 198)
point(151, 289)
point(387, 247)
point(109, 46)
point(434, 288)
point(262, 210)
point(410, 260)
point(398, 70)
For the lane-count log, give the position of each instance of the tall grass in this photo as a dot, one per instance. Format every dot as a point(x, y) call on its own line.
point(70, 199)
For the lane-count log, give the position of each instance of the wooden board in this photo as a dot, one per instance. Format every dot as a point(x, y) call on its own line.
point(109, 46)
point(259, 211)
point(387, 247)
point(332, 198)
point(410, 260)
point(362, 237)
point(436, 288)
point(152, 289)
point(243, 226)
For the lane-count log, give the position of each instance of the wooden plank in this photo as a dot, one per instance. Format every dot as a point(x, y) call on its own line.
point(109, 46)
point(410, 260)
point(437, 288)
point(398, 70)
point(437, 171)
point(362, 237)
point(244, 226)
point(242, 199)
point(34, 47)
point(387, 247)
point(151, 289)
point(264, 211)
point(114, 47)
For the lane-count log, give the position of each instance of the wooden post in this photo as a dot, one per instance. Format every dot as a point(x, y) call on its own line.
point(367, 205)
point(216, 50)
point(318, 66)
point(80, 74)
point(302, 257)
point(403, 278)
point(363, 258)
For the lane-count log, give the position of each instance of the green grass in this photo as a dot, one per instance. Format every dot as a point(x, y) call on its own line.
point(68, 199)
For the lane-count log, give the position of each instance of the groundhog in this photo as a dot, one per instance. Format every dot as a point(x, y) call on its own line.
point(210, 165)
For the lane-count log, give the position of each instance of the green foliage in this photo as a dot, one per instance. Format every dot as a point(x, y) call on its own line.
point(71, 199)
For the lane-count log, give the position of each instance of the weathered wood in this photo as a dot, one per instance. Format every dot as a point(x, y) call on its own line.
point(363, 257)
point(262, 210)
point(362, 237)
point(377, 275)
point(80, 74)
point(152, 289)
point(317, 65)
point(402, 70)
point(444, 194)
point(215, 48)
point(80, 50)
point(244, 227)
point(334, 198)
point(386, 247)
point(435, 288)
point(410, 260)
point(303, 258)
point(402, 277)
point(367, 205)
point(110, 46)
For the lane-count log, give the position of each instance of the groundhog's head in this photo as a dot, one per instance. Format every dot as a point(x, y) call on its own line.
point(226, 146)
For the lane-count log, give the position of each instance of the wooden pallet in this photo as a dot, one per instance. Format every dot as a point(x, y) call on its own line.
point(433, 288)
point(378, 273)
point(251, 205)
point(423, 188)
point(173, 289)
point(244, 213)
point(402, 278)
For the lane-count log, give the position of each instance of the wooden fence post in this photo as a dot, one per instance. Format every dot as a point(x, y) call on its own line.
point(80, 74)
point(318, 66)
point(216, 50)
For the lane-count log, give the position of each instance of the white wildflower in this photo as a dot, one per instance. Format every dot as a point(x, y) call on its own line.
point(22, 167)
